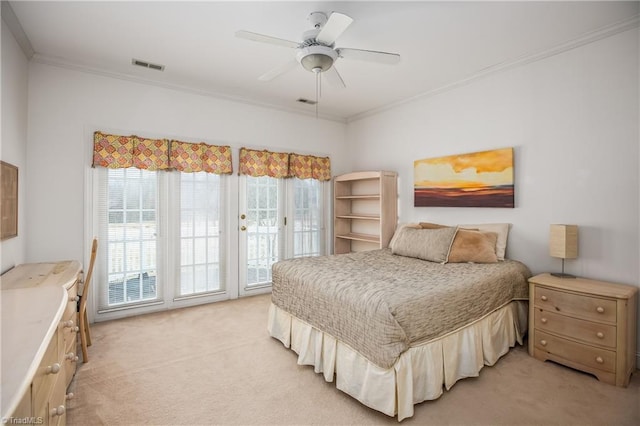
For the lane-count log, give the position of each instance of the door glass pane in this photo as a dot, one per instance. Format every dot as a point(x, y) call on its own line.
point(307, 217)
point(131, 236)
point(262, 233)
point(200, 222)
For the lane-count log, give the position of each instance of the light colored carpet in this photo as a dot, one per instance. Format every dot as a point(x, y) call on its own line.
point(216, 364)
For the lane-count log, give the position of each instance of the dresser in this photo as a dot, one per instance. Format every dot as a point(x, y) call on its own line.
point(39, 335)
point(585, 324)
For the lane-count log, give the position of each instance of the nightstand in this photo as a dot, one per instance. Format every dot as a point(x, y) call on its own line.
point(584, 324)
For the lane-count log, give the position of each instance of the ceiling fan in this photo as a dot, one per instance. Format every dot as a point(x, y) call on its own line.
point(316, 52)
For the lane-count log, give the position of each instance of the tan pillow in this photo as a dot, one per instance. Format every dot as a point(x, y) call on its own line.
point(473, 246)
point(428, 225)
point(392, 242)
point(425, 244)
point(502, 229)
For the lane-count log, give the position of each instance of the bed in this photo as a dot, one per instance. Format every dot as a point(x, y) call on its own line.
point(394, 330)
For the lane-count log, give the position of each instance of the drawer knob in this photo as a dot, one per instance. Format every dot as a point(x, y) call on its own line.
point(68, 324)
point(543, 320)
point(53, 369)
point(58, 411)
point(543, 342)
point(74, 299)
point(600, 309)
point(75, 329)
point(69, 396)
point(599, 360)
point(71, 357)
point(600, 335)
point(544, 298)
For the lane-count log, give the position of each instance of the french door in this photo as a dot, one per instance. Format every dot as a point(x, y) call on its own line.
point(162, 239)
point(262, 224)
point(278, 219)
point(165, 239)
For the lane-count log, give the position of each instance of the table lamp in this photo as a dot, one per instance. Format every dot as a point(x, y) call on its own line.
point(563, 243)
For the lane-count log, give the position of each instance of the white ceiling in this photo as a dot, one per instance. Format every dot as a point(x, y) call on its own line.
point(440, 43)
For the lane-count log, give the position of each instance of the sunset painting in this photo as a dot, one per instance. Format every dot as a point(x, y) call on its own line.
point(479, 179)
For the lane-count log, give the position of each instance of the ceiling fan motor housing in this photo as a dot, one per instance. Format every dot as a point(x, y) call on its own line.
point(317, 19)
point(316, 58)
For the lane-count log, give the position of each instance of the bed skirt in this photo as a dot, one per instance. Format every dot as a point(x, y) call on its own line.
point(419, 374)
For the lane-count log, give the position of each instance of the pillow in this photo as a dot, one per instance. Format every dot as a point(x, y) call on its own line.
point(473, 246)
point(426, 244)
point(428, 225)
point(398, 228)
point(502, 229)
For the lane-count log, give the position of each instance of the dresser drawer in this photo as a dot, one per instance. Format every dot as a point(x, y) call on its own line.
point(586, 331)
point(49, 370)
point(590, 356)
point(71, 309)
point(582, 306)
point(70, 320)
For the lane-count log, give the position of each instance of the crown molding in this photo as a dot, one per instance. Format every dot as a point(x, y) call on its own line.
point(66, 64)
point(587, 38)
point(10, 18)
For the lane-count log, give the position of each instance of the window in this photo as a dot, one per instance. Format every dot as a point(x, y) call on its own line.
point(307, 221)
point(131, 229)
point(200, 228)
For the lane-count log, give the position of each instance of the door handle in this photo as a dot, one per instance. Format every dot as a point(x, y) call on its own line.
point(243, 216)
point(243, 228)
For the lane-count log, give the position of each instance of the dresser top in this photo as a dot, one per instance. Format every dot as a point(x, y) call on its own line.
point(584, 285)
point(41, 275)
point(34, 298)
point(30, 317)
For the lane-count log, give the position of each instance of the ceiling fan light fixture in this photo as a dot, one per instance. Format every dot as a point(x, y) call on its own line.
point(317, 58)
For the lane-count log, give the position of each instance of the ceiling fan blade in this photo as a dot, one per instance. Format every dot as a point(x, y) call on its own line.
point(369, 55)
point(266, 39)
point(335, 25)
point(287, 66)
point(334, 78)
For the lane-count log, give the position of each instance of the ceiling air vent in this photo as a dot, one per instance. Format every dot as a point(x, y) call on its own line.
point(306, 101)
point(145, 64)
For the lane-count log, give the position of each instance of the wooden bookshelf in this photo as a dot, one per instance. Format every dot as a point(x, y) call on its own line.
point(365, 210)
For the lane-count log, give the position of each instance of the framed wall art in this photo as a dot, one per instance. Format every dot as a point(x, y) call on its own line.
point(8, 200)
point(478, 179)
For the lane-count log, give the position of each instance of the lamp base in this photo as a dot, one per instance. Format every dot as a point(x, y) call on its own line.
point(562, 275)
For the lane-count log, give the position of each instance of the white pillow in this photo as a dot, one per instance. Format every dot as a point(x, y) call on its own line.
point(502, 229)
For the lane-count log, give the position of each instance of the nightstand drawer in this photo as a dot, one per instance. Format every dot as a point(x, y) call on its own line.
point(586, 331)
point(601, 359)
point(581, 306)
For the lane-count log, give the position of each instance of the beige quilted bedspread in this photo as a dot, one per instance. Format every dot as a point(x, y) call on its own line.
point(381, 304)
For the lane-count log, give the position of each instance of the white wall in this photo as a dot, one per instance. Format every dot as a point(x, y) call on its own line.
point(573, 120)
point(13, 147)
point(66, 106)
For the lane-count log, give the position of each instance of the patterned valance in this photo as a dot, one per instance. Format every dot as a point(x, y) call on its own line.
point(201, 157)
point(150, 154)
point(283, 165)
point(264, 163)
point(113, 151)
point(309, 167)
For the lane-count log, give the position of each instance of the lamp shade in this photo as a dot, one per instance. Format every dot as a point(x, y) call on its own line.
point(563, 241)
